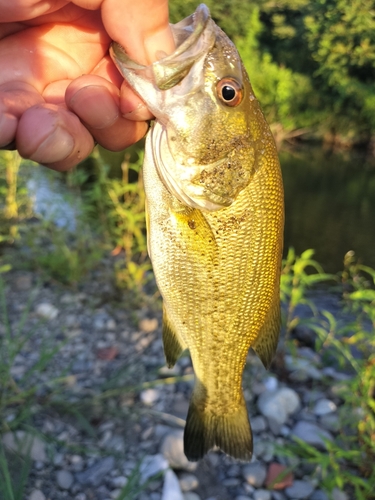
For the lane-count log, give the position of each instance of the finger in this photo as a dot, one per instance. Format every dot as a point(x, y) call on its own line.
point(131, 105)
point(28, 9)
point(96, 101)
point(15, 98)
point(142, 28)
point(53, 136)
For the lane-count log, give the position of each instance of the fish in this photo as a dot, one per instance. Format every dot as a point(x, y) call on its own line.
point(215, 218)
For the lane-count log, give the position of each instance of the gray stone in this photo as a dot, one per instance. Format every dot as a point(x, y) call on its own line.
point(279, 404)
point(119, 481)
point(64, 479)
point(339, 495)
point(277, 495)
point(271, 384)
point(311, 433)
point(331, 422)
point(324, 407)
point(319, 495)
point(262, 495)
point(37, 495)
point(299, 489)
point(190, 495)
point(258, 424)
point(94, 475)
point(25, 444)
point(172, 449)
point(171, 487)
point(231, 482)
point(188, 482)
point(46, 311)
point(152, 465)
point(255, 474)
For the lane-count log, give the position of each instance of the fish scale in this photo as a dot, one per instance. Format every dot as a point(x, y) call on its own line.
point(214, 203)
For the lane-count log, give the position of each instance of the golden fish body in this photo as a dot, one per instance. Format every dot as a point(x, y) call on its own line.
point(215, 224)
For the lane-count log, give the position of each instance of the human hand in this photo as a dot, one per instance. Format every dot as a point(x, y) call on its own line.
point(59, 89)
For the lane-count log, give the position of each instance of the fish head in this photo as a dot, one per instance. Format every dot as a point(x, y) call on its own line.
point(201, 97)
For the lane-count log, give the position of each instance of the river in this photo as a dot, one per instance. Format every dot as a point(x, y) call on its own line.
point(329, 203)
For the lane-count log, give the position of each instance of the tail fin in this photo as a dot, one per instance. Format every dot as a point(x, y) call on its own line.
point(231, 432)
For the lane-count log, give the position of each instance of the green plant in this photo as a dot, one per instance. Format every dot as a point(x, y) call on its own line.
point(296, 281)
point(348, 461)
point(14, 202)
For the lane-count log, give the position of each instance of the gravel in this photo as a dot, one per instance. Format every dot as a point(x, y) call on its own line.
point(131, 430)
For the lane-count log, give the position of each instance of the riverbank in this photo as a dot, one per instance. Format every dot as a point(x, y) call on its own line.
point(103, 417)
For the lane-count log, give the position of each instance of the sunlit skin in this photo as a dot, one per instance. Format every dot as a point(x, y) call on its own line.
point(59, 90)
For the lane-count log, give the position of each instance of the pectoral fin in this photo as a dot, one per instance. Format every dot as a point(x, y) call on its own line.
point(173, 344)
point(266, 342)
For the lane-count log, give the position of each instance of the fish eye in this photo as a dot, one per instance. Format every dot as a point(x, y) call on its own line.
point(229, 92)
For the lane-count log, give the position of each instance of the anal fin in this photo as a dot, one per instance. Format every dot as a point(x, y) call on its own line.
point(173, 344)
point(265, 344)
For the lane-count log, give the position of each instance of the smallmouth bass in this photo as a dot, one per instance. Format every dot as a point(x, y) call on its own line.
point(215, 217)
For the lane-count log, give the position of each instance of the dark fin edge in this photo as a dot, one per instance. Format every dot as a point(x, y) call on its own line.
point(230, 432)
point(173, 345)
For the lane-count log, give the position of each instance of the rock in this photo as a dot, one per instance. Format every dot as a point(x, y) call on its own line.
point(191, 496)
point(277, 495)
point(299, 489)
point(279, 404)
point(311, 433)
point(262, 495)
point(64, 479)
point(172, 449)
point(271, 384)
point(46, 310)
point(148, 325)
point(276, 478)
point(231, 482)
point(254, 474)
point(188, 482)
point(339, 495)
point(258, 424)
point(318, 495)
point(324, 407)
point(37, 495)
point(94, 475)
point(23, 283)
point(25, 444)
point(119, 481)
point(150, 396)
point(330, 422)
point(152, 465)
point(171, 487)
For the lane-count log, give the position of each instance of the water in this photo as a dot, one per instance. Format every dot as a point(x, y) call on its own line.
point(330, 204)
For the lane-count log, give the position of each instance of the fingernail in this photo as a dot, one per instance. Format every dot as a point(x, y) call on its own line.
point(95, 106)
point(55, 147)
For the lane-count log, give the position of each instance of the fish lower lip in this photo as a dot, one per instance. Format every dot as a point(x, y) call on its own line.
point(181, 180)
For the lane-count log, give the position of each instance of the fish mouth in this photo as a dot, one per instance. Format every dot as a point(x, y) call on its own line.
point(183, 181)
point(193, 40)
